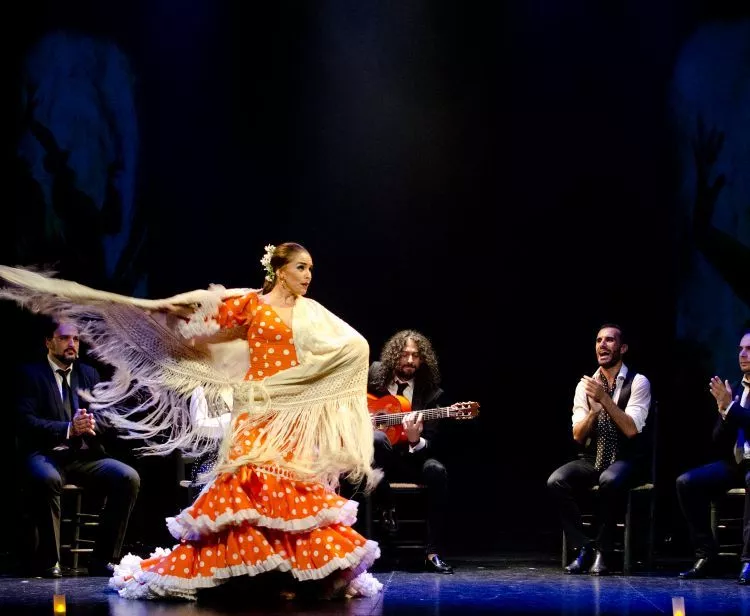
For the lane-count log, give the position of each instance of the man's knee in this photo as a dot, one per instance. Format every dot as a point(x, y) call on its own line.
point(682, 483)
point(44, 479)
point(50, 484)
point(611, 482)
point(126, 479)
point(381, 441)
point(383, 450)
point(556, 481)
point(434, 471)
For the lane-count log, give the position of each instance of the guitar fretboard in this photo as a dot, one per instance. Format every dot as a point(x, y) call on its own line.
point(395, 419)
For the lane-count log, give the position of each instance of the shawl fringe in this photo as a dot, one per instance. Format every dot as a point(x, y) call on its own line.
point(313, 416)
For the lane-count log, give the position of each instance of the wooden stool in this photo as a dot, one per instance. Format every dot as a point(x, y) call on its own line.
point(75, 522)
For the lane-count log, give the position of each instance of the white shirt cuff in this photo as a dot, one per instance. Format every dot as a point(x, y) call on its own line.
point(420, 445)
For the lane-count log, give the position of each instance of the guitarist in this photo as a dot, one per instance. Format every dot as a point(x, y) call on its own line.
point(408, 367)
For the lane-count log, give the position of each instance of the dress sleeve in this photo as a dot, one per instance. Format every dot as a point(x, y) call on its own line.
point(237, 311)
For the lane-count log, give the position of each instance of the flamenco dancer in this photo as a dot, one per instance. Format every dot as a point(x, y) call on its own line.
point(280, 379)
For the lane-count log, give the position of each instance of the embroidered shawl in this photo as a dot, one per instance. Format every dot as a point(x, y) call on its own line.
point(313, 416)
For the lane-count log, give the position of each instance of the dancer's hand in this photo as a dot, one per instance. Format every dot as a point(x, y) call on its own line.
point(181, 311)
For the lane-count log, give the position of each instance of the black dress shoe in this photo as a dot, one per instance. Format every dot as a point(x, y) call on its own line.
point(52, 572)
point(744, 578)
point(703, 567)
point(582, 562)
point(388, 521)
point(435, 565)
point(599, 567)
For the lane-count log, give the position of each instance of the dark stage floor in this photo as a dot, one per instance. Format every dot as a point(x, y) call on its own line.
point(498, 585)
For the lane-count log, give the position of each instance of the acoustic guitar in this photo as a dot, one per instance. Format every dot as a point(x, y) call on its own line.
point(388, 412)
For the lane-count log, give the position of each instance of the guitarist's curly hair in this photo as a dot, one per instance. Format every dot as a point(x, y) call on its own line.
point(428, 373)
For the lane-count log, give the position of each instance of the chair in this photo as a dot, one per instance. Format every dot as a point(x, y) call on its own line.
point(74, 523)
point(643, 491)
point(727, 519)
point(409, 502)
point(187, 469)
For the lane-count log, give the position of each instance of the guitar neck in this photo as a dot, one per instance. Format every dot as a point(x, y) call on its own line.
point(395, 419)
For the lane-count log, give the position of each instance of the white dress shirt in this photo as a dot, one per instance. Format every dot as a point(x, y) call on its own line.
point(636, 408)
point(408, 393)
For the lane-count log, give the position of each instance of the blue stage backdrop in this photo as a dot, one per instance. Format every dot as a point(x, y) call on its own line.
point(710, 105)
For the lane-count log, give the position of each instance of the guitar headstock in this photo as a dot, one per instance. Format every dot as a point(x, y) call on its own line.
point(464, 410)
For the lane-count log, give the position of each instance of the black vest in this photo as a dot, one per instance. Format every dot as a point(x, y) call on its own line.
point(636, 448)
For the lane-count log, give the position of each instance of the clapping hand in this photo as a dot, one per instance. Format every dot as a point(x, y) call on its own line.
point(83, 423)
point(722, 392)
point(594, 389)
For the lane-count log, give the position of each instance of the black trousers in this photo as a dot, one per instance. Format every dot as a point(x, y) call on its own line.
point(117, 482)
point(568, 485)
point(695, 491)
point(414, 469)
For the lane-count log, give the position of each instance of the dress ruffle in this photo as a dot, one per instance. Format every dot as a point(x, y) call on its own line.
point(262, 499)
point(188, 568)
point(250, 522)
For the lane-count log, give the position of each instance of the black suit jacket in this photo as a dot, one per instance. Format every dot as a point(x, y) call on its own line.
point(424, 397)
point(725, 430)
point(42, 423)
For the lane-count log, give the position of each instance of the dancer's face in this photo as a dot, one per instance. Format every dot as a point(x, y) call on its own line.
point(296, 275)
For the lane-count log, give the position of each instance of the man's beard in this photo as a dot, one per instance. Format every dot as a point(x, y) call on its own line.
point(613, 359)
point(403, 376)
point(65, 359)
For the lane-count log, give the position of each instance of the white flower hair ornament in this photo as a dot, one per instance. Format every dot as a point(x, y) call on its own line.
point(266, 262)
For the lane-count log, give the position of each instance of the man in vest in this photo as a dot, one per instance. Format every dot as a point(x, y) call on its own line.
point(610, 410)
point(697, 487)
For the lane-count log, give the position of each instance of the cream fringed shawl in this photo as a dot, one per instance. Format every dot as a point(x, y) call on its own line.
point(313, 417)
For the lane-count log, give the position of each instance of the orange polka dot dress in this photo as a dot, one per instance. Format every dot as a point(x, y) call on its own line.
point(255, 520)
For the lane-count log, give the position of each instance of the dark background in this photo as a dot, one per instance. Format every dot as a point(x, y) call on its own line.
point(501, 177)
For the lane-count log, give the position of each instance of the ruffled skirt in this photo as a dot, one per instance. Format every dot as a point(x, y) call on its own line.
point(249, 522)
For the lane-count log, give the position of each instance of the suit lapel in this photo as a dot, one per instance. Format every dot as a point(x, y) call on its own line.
point(417, 399)
point(75, 384)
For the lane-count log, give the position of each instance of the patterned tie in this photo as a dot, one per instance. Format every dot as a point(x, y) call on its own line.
point(67, 395)
point(606, 432)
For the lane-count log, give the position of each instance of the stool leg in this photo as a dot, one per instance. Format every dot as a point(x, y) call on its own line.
point(76, 529)
point(651, 530)
point(628, 540)
point(715, 520)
